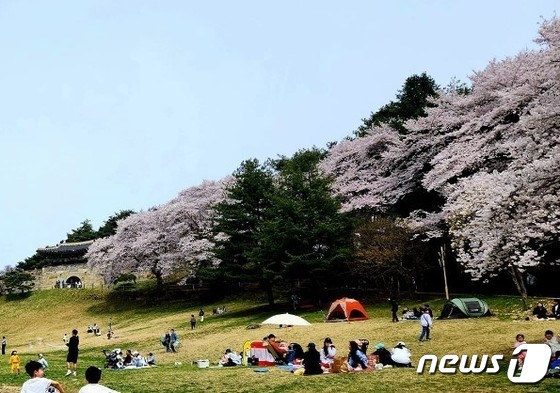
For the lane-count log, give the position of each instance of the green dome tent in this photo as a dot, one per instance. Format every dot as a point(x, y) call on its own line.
point(471, 307)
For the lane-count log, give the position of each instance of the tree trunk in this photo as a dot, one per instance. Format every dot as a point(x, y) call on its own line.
point(159, 279)
point(159, 282)
point(519, 284)
point(269, 294)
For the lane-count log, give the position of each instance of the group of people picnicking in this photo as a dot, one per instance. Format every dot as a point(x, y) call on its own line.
point(550, 339)
point(540, 311)
point(94, 329)
point(116, 359)
point(326, 358)
point(408, 314)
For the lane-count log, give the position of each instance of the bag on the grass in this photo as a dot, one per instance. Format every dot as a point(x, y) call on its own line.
point(337, 364)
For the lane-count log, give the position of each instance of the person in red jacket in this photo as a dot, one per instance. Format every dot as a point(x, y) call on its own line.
point(278, 351)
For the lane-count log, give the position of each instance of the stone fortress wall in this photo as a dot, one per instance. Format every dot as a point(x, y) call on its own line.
point(47, 277)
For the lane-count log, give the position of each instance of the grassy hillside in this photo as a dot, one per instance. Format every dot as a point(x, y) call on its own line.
point(36, 324)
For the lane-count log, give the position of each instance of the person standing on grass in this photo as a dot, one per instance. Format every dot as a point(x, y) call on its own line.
point(426, 323)
point(72, 357)
point(201, 315)
point(193, 322)
point(38, 383)
point(4, 343)
point(15, 362)
point(174, 343)
point(167, 341)
point(394, 309)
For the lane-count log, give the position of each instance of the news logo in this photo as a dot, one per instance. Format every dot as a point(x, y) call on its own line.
point(535, 365)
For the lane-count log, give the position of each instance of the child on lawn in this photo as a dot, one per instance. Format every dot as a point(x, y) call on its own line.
point(15, 363)
point(519, 340)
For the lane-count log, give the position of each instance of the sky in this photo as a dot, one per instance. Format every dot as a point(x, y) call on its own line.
point(114, 105)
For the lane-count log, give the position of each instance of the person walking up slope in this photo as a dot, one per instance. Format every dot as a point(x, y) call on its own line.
point(426, 323)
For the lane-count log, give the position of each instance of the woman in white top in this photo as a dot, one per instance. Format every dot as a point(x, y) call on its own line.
point(400, 355)
point(327, 352)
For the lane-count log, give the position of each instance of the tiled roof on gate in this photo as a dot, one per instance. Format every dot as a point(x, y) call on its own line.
point(67, 247)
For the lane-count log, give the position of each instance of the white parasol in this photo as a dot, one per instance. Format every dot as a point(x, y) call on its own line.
point(286, 319)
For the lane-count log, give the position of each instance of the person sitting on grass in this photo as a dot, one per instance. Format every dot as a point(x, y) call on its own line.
point(383, 355)
point(552, 341)
point(93, 375)
point(357, 360)
point(554, 366)
point(555, 312)
point(407, 314)
point(128, 358)
point(539, 312)
point(38, 383)
point(520, 340)
point(138, 360)
point(555, 363)
point(328, 352)
point(43, 361)
point(151, 359)
point(277, 350)
point(230, 359)
point(401, 355)
point(312, 361)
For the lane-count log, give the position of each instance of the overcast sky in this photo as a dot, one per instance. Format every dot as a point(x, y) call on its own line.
point(113, 105)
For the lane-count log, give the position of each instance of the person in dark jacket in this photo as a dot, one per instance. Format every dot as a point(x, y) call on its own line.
point(394, 309)
point(540, 311)
point(556, 309)
point(383, 354)
point(312, 361)
point(72, 357)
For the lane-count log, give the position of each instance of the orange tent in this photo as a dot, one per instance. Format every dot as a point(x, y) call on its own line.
point(346, 309)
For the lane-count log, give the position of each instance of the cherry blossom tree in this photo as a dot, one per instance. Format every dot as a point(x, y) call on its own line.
point(171, 237)
point(499, 173)
point(359, 166)
point(490, 153)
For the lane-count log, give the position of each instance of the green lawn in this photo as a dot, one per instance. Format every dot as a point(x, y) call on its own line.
point(35, 324)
